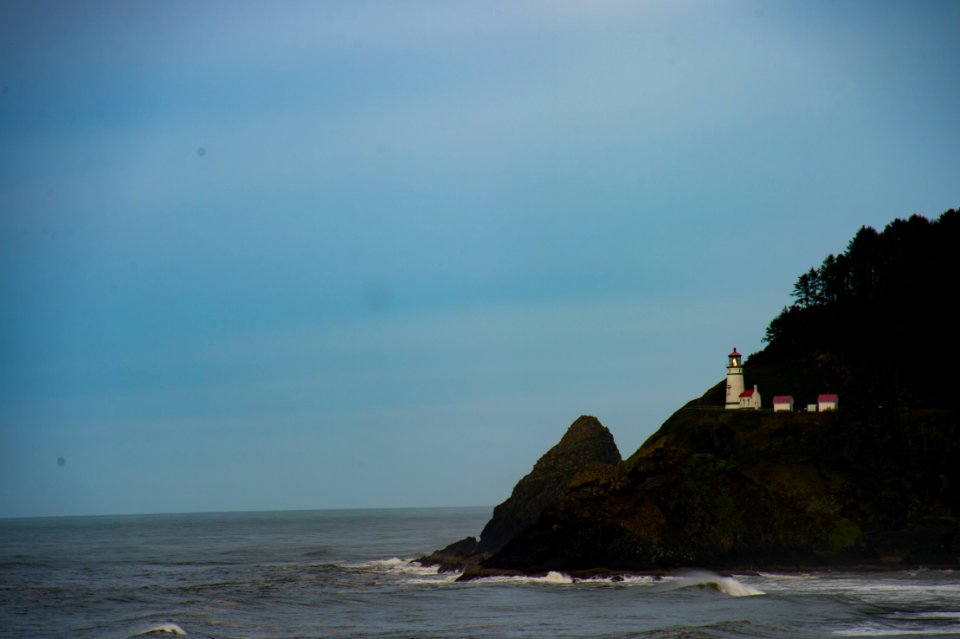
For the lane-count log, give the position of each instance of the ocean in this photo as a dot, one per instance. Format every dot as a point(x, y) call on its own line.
point(349, 573)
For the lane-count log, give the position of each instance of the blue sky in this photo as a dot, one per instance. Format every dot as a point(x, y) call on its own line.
point(362, 254)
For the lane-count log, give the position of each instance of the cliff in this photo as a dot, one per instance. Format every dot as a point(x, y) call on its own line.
point(751, 490)
point(874, 484)
point(586, 447)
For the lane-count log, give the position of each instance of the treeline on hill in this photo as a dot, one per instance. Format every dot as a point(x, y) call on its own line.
point(879, 318)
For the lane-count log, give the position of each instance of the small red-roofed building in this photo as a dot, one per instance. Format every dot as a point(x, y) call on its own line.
point(827, 401)
point(783, 403)
point(750, 398)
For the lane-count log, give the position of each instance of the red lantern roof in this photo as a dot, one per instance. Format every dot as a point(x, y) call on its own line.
point(734, 353)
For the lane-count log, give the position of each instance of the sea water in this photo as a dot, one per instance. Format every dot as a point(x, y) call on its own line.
point(351, 574)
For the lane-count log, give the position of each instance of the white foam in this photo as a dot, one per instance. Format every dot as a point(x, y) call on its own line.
point(921, 616)
point(625, 580)
point(171, 628)
point(397, 566)
point(706, 579)
point(553, 578)
point(874, 630)
point(434, 579)
point(735, 588)
point(884, 588)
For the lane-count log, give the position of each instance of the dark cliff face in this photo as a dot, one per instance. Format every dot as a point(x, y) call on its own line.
point(745, 489)
point(884, 470)
point(587, 447)
point(677, 508)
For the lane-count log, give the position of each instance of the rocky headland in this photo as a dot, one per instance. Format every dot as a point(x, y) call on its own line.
point(586, 448)
point(874, 484)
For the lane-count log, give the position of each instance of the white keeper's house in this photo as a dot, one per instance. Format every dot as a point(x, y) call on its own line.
point(783, 403)
point(827, 401)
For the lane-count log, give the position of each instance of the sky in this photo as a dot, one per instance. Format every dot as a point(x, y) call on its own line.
point(358, 254)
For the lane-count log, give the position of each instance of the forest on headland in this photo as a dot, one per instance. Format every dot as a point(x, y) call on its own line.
point(876, 321)
point(875, 483)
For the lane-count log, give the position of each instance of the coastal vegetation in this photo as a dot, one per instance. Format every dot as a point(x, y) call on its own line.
point(877, 322)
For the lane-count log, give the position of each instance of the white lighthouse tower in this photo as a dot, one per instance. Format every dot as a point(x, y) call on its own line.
point(734, 379)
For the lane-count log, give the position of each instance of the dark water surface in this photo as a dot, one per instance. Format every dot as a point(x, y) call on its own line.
point(349, 574)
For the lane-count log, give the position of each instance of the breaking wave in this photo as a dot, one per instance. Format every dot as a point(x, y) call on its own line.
point(430, 575)
point(878, 630)
point(552, 578)
point(164, 628)
point(395, 565)
point(706, 579)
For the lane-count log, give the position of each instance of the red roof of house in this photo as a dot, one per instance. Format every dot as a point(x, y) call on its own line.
point(826, 398)
point(782, 399)
point(734, 353)
point(747, 393)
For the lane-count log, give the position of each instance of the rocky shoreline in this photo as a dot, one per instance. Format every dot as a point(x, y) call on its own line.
point(727, 491)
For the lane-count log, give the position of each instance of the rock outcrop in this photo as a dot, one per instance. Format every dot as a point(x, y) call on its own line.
point(751, 490)
point(586, 448)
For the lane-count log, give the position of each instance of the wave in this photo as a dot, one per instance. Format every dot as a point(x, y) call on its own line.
point(552, 578)
point(430, 575)
point(169, 628)
point(927, 615)
point(558, 578)
point(706, 579)
point(883, 630)
point(907, 623)
point(894, 588)
point(395, 565)
point(629, 580)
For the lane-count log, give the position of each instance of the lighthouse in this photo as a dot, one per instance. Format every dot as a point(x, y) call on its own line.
point(734, 379)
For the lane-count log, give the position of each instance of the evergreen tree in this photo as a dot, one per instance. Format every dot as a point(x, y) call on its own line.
point(880, 313)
